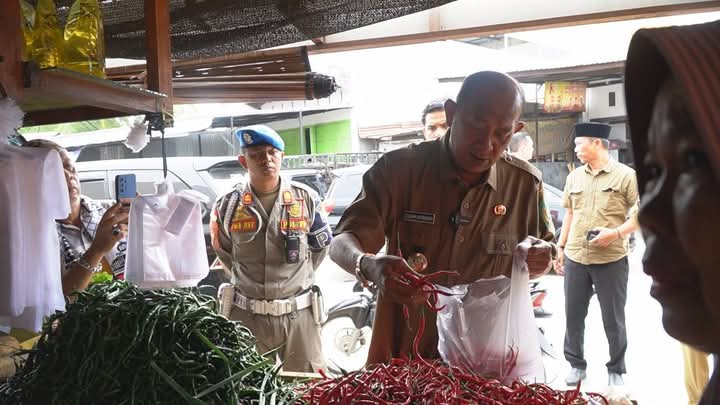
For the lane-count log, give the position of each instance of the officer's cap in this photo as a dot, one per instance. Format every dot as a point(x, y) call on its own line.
point(592, 130)
point(256, 135)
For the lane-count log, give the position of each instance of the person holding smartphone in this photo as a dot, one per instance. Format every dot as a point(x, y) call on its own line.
point(93, 236)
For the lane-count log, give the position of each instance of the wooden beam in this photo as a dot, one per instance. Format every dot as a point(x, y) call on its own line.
point(157, 44)
point(59, 88)
point(480, 31)
point(73, 114)
point(11, 43)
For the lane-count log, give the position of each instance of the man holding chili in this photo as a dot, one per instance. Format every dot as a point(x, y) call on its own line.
point(458, 203)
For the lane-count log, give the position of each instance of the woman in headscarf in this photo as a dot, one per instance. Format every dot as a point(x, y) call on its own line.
point(672, 89)
point(93, 236)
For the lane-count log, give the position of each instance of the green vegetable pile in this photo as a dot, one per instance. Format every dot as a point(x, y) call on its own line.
point(117, 344)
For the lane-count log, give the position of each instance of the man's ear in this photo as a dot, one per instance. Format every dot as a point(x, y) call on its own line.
point(519, 127)
point(243, 161)
point(450, 110)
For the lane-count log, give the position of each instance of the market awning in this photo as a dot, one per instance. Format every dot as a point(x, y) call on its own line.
point(221, 27)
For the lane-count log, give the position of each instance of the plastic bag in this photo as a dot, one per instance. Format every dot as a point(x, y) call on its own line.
point(489, 327)
point(166, 243)
point(85, 39)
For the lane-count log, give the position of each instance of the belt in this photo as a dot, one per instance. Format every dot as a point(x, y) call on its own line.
point(274, 307)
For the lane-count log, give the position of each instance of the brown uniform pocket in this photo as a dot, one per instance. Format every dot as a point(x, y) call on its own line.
point(501, 243)
point(577, 199)
point(612, 200)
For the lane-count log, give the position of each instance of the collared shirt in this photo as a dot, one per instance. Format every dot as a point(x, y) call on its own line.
point(75, 241)
point(414, 199)
point(607, 199)
point(251, 242)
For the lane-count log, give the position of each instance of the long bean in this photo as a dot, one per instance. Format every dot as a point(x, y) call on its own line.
point(118, 344)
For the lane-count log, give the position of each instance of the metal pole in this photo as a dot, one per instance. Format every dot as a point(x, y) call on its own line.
point(537, 125)
point(302, 133)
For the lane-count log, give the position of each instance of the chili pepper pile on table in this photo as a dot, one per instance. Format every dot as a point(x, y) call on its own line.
point(117, 344)
point(421, 381)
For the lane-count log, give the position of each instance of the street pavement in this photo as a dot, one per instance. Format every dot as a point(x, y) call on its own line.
point(654, 360)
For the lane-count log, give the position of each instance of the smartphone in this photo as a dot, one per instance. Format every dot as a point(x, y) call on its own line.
point(125, 186)
point(592, 234)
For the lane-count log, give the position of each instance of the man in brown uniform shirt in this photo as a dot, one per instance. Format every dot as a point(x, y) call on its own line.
point(458, 203)
point(599, 198)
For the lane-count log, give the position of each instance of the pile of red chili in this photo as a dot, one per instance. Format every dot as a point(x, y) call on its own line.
point(420, 381)
point(432, 382)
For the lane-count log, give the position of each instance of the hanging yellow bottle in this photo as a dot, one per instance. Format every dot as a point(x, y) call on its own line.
point(84, 39)
point(47, 36)
point(28, 22)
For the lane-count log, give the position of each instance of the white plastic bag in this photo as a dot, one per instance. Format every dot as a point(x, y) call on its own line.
point(489, 327)
point(166, 244)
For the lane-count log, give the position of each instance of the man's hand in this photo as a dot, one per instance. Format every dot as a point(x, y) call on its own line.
point(560, 261)
point(539, 257)
point(384, 271)
point(605, 237)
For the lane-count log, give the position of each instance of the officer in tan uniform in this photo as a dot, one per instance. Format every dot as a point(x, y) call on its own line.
point(269, 233)
point(600, 198)
point(456, 203)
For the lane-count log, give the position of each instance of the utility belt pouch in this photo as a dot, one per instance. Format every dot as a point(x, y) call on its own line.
point(226, 296)
point(318, 305)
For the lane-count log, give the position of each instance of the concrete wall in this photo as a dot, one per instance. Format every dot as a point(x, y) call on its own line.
point(598, 102)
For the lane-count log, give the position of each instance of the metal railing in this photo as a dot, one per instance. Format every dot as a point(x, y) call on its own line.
point(331, 161)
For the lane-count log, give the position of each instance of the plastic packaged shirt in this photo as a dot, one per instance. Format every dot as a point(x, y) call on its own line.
point(489, 327)
point(47, 41)
point(84, 49)
point(166, 243)
point(33, 195)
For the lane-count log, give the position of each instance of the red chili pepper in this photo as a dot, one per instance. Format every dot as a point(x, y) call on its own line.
point(421, 381)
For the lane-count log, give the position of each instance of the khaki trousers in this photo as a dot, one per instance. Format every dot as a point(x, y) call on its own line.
point(296, 335)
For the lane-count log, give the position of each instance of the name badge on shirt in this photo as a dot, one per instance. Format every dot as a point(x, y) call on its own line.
point(295, 224)
point(419, 217)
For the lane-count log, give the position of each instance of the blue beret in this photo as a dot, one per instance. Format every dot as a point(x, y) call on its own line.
point(592, 130)
point(256, 135)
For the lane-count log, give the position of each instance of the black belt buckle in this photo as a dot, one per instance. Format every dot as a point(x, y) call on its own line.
point(292, 249)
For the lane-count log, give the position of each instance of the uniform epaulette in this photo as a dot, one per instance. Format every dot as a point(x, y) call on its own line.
point(523, 164)
point(309, 190)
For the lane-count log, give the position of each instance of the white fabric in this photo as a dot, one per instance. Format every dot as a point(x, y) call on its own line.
point(33, 194)
point(157, 258)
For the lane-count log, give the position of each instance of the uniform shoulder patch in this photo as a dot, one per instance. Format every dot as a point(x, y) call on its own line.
point(523, 165)
point(310, 192)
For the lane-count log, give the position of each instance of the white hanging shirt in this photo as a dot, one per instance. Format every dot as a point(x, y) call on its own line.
point(33, 194)
point(166, 243)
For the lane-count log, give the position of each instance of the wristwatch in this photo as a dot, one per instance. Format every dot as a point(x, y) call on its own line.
point(82, 262)
point(358, 273)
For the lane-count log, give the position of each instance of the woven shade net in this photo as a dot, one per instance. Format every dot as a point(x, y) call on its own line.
point(206, 28)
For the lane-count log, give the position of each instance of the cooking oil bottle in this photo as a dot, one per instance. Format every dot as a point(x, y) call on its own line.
point(84, 39)
point(28, 22)
point(47, 36)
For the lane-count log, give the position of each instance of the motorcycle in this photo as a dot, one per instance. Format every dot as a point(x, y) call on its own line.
point(347, 331)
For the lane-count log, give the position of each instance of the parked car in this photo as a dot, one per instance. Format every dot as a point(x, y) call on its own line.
point(212, 176)
point(553, 202)
point(345, 187)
